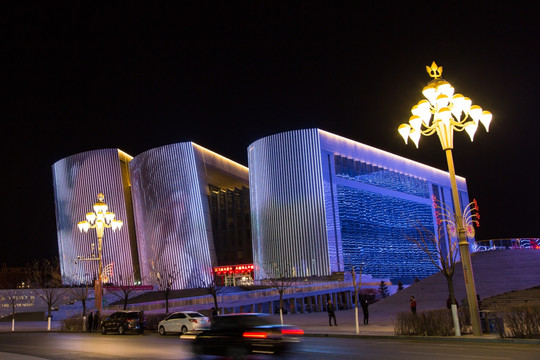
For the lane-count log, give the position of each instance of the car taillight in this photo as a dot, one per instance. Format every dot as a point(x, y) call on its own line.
point(292, 332)
point(193, 320)
point(255, 334)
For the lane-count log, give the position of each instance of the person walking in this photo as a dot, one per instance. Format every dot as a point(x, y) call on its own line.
point(90, 324)
point(331, 313)
point(366, 311)
point(413, 305)
point(96, 320)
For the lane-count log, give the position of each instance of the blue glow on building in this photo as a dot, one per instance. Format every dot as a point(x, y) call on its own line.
point(321, 203)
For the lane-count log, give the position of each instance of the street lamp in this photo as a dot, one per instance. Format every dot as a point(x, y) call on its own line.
point(450, 112)
point(99, 219)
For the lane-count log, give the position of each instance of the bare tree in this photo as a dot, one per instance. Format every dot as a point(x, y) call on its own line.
point(280, 283)
point(125, 292)
point(163, 278)
point(213, 286)
point(81, 292)
point(46, 282)
point(443, 257)
point(12, 298)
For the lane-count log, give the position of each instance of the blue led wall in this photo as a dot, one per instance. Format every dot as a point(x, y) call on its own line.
point(375, 231)
point(321, 203)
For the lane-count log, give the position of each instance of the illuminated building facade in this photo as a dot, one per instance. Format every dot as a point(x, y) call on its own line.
point(187, 203)
point(180, 203)
point(321, 203)
point(77, 180)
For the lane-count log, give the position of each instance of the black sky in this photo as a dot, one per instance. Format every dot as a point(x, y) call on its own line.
point(80, 76)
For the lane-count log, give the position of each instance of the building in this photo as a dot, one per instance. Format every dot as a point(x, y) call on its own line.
point(321, 203)
point(77, 180)
point(191, 209)
point(185, 210)
point(312, 204)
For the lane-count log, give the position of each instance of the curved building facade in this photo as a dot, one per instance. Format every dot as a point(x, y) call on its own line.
point(321, 203)
point(78, 179)
point(172, 189)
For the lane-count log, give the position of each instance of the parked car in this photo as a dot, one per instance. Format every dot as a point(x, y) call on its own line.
point(238, 335)
point(182, 322)
point(123, 322)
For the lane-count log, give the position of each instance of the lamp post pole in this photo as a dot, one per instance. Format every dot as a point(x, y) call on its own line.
point(99, 220)
point(450, 112)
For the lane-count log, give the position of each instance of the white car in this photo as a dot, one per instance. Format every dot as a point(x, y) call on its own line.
point(182, 322)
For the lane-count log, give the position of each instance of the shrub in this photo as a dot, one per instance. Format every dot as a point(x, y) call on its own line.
point(521, 320)
point(425, 323)
point(72, 324)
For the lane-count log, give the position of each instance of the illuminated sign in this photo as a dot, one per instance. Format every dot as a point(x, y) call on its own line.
point(234, 269)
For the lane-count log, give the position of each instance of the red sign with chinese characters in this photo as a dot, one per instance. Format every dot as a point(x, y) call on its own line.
point(236, 269)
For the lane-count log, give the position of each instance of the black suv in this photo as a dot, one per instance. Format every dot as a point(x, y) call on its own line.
point(124, 321)
point(239, 335)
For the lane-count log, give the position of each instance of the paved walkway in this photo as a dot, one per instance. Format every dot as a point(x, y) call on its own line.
point(313, 324)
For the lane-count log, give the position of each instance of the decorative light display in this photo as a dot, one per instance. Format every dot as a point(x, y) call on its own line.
point(442, 113)
point(100, 220)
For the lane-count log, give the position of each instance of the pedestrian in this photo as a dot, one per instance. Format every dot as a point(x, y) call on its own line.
point(331, 313)
point(96, 320)
point(366, 311)
point(90, 322)
point(413, 305)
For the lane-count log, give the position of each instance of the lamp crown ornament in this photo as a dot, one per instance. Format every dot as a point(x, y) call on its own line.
point(442, 112)
point(434, 71)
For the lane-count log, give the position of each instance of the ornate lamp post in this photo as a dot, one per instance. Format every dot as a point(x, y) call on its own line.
point(99, 219)
point(442, 113)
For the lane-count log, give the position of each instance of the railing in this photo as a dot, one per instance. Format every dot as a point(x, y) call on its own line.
point(247, 297)
point(507, 244)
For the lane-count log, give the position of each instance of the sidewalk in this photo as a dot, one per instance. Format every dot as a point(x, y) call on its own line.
point(380, 326)
point(316, 325)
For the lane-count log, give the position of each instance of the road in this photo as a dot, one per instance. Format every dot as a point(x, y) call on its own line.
point(86, 346)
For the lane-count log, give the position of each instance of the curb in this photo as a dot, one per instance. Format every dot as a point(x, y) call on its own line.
point(428, 338)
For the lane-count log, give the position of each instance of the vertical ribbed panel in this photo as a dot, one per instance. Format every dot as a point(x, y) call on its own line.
point(171, 215)
point(287, 205)
point(77, 181)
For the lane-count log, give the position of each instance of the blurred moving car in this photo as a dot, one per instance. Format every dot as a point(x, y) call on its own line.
point(182, 322)
point(238, 335)
point(123, 322)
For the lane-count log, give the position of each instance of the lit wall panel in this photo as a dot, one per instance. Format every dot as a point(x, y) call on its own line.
point(171, 214)
point(287, 205)
point(77, 180)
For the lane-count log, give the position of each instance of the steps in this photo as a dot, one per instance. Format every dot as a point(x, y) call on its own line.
point(495, 273)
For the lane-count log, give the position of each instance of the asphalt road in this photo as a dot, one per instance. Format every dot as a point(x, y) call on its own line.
point(86, 346)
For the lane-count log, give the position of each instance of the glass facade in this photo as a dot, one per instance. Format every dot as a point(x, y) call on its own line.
point(231, 225)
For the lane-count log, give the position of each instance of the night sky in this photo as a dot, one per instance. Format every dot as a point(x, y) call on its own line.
point(81, 76)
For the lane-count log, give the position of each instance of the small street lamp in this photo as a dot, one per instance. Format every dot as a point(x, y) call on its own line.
point(99, 219)
point(442, 113)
